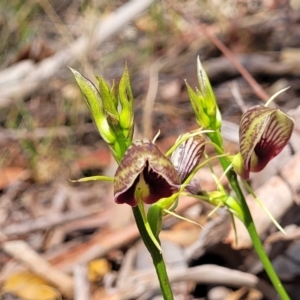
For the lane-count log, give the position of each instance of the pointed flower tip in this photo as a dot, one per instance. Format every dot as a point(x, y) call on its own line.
point(203, 101)
point(264, 132)
point(144, 174)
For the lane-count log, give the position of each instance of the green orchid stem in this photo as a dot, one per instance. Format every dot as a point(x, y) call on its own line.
point(157, 256)
point(248, 221)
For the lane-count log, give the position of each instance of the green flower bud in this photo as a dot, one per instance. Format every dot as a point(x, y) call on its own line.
point(203, 101)
point(109, 100)
point(264, 132)
point(126, 101)
point(94, 103)
point(112, 112)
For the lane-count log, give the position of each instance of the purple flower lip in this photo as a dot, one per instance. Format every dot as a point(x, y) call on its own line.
point(146, 172)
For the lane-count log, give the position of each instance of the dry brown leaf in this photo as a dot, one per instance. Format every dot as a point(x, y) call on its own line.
point(8, 175)
point(98, 268)
point(183, 233)
point(29, 286)
point(146, 23)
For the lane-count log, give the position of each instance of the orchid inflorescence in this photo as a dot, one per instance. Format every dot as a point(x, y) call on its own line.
point(147, 176)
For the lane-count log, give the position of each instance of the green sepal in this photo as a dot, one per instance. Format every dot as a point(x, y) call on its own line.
point(94, 178)
point(206, 90)
point(126, 101)
point(94, 103)
point(154, 216)
point(149, 230)
point(113, 91)
point(196, 101)
point(109, 102)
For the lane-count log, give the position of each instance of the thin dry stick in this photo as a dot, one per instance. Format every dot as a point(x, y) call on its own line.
point(247, 76)
point(22, 252)
point(293, 233)
point(219, 275)
point(205, 274)
point(48, 221)
point(126, 267)
point(202, 29)
point(56, 21)
point(81, 283)
point(50, 66)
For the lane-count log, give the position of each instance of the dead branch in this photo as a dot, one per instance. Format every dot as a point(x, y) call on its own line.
point(81, 283)
point(47, 68)
point(293, 233)
point(200, 29)
point(22, 252)
point(48, 221)
point(205, 274)
point(102, 243)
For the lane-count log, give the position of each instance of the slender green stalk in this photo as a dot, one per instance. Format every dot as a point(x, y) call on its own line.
point(157, 256)
point(249, 223)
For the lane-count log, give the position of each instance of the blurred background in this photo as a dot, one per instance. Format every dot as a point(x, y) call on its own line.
point(51, 227)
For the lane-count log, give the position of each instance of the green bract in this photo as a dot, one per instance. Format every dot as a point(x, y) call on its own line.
point(126, 101)
point(203, 101)
point(263, 133)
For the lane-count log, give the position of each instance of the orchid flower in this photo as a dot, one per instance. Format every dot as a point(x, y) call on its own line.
point(264, 132)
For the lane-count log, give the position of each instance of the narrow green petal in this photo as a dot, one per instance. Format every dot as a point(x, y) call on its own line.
point(94, 103)
point(107, 97)
point(94, 178)
point(126, 101)
point(197, 104)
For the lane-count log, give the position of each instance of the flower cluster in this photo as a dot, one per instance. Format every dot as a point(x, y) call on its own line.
point(112, 111)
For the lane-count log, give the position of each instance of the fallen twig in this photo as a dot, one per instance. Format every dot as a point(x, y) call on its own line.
point(51, 66)
point(22, 252)
point(81, 283)
point(205, 274)
point(48, 221)
point(199, 29)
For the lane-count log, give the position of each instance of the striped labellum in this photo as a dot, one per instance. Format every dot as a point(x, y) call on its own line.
point(264, 132)
point(186, 157)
